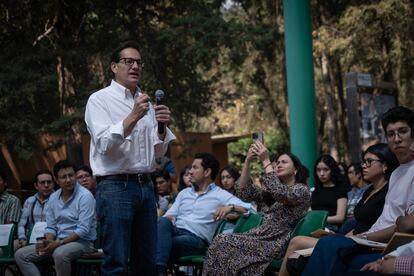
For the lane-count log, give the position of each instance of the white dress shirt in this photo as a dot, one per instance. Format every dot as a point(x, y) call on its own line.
point(399, 200)
point(403, 250)
point(111, 152)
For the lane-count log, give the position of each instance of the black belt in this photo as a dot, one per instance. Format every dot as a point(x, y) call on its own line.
point(141, 178)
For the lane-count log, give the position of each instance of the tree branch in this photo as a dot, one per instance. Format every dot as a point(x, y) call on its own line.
point(47, 31)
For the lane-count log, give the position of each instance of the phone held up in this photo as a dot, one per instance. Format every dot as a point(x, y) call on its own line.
point(258, 136)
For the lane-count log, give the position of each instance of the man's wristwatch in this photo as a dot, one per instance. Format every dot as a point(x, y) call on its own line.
point(364, 236)
point(232, 208)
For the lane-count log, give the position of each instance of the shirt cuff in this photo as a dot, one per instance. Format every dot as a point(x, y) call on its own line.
point(169, 136)
point(118, 128)
point(404, 265)
point(50, 231)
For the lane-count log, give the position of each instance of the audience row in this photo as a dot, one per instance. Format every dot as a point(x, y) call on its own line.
point(370, 201)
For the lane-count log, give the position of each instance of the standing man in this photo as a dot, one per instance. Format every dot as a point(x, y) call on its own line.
point(125, 142)
point(10, 206)
point(36, 207)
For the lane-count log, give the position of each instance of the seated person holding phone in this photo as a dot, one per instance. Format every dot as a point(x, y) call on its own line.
point(71, 226)
point(283, 199)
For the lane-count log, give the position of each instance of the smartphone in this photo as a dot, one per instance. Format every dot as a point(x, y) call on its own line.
point(258, 136)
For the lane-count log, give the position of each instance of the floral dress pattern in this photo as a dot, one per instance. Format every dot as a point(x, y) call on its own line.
point(251, 253)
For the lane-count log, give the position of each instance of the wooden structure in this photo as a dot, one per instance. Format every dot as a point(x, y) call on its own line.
point(357, 84)
point(20, 172)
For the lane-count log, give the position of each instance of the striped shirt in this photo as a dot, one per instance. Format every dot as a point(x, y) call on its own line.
point(10, 208)
point(33, 211)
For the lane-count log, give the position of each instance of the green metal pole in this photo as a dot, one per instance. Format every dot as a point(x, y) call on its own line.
point(300, 81)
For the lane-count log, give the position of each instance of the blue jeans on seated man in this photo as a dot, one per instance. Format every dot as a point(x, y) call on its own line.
point(329, 257)
point(174, 242)
point(127, 213)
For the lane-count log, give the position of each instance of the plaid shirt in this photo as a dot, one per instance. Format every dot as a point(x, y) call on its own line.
point(10, 208)
point(404, 265)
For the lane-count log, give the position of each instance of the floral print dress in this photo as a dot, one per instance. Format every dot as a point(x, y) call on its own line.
point(251, 253)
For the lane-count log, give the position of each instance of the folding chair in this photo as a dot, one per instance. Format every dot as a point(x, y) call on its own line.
point(312, 221)
point(7, 231)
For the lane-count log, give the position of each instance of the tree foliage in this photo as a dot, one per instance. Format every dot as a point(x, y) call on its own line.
point(220, 62)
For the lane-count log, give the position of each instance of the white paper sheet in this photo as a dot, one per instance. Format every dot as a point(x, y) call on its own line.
point(38, 231)
point(5, 232)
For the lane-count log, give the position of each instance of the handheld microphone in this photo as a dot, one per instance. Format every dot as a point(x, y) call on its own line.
point(159, 95)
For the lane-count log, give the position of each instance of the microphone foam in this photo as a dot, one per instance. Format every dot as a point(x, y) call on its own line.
point(159, 94)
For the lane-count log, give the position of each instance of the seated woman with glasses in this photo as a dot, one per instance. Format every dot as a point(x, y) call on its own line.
point(378, 164)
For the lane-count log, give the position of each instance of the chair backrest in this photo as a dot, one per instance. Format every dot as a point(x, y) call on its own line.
point(297, 227)
point(8, 249)
point(312, 221)
point(220, 228)
point(245, 223)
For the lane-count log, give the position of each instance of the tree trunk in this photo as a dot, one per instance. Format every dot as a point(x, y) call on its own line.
point(331, 114)
point(280, 46)
point(13, 168)
point(343, 126)
point(66, 90)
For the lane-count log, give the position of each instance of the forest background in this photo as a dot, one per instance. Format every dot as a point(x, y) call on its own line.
point(221, 64)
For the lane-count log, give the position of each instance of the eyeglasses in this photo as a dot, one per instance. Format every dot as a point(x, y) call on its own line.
point(83, 176)
point(402, 132)
point(368, 162)
point(130, 62)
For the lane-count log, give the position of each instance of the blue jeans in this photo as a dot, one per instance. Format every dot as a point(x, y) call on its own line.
point(127, 213)
point(174, 242)
point(325, 259)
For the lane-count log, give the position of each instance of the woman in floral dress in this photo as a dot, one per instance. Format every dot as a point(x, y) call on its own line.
point(283, 199)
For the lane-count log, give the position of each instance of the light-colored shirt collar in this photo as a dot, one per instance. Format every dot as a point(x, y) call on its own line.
point(209, 188)
point(75, 190)
point(123, 91)
point(37, 196)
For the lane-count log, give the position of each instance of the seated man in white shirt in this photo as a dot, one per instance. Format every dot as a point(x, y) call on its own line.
point(188, 226)
point(71, 226)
